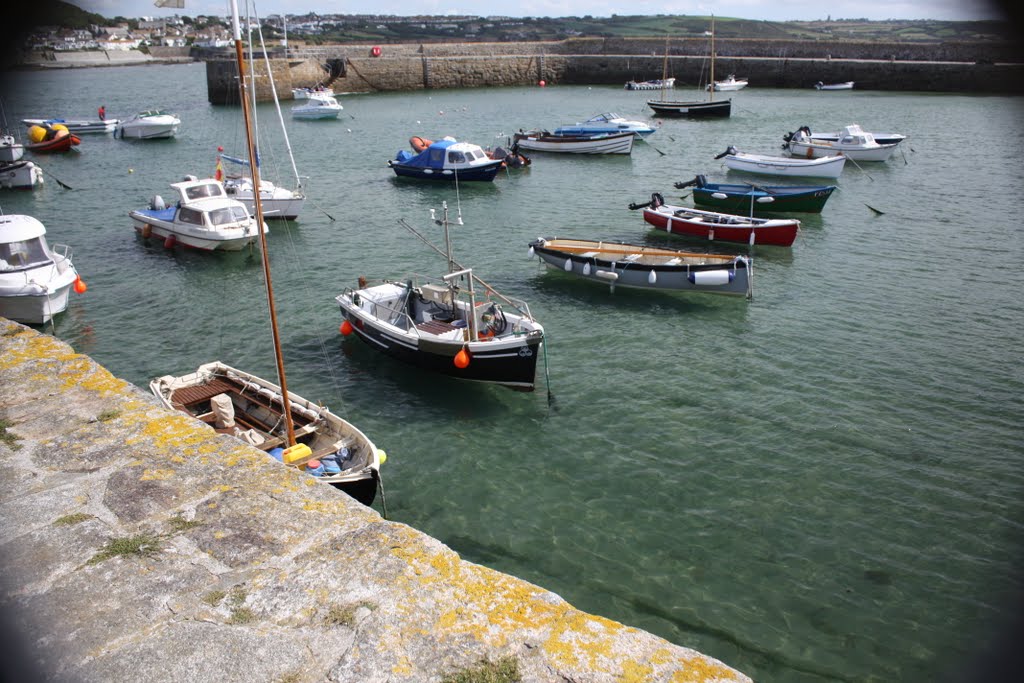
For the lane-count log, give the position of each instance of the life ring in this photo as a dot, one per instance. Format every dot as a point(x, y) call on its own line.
point(656, 200)
point(375, 50)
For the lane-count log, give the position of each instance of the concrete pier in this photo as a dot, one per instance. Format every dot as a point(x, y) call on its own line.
point(138, 544)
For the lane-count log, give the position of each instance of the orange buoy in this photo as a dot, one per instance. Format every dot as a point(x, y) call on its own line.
point(461, 359)
point(80, 286)
point(346, 328)
point(169, 242)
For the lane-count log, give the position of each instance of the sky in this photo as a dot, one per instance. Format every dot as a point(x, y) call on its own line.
point(773, 10)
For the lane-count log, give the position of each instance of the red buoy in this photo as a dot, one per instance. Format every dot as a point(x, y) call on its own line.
point(80, 286)
point(461, 359)
point(375, 51)
point(346, 328)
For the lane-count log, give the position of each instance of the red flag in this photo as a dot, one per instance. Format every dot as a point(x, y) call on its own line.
point(219, 175)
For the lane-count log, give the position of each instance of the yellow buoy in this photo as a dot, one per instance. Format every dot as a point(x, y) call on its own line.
point(36, 133)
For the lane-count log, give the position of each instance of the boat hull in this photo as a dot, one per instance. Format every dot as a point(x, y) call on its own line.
point(34, 309)
point(651, 85)
point(150, 223)
point(613, 268)
point(848, 85)
point(619, 143)
point(479, 173)
point(741, 199)
point(61, 143)
point(20, 175)
point(817, 150)
point(148, 132)
point(825, 167)
point(78, 127)
point(691, 110)
point(779, 233)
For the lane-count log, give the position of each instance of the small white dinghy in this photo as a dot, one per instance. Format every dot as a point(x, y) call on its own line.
point(763, 164)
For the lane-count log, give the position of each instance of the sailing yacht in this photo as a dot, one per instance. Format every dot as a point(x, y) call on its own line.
point(289, 428)
point(277, 201)
point(694, 109)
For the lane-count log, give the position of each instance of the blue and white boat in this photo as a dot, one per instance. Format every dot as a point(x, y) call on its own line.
point(203, 217)
point(447, 160)
point(609, 122)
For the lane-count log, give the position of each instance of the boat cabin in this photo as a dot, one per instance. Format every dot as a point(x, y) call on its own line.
point(22, 244)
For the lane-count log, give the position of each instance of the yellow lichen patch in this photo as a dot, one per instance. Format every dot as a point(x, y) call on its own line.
point(700, 669)
point(634, 672)
point(327, 507)
point(448, 619)
point(220, 534)
point(41, 347)
point(403, 667)
point(156, 475)
point(661, 656)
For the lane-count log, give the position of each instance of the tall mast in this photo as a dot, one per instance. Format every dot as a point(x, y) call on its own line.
point(251, 144)
point(711, 96)
point(664, 68)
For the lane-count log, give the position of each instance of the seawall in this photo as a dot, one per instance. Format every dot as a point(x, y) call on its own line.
point(138, 543)
point(938, 67)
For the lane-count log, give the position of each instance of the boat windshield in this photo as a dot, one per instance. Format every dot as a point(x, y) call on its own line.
point(205, 190)
point(230, 214)
point(24, 254)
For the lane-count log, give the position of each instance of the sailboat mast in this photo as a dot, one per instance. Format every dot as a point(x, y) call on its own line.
point(664, 69)
point(277, 103)
point(711, 95)
point(251, 145)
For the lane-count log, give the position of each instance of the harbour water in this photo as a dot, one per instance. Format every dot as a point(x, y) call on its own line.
point(824, 483)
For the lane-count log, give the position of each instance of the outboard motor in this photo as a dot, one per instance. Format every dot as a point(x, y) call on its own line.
point(728, 150)
point(157, 203)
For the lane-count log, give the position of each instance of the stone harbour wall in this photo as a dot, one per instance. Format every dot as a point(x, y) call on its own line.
point(940, 67)
point(138, 544)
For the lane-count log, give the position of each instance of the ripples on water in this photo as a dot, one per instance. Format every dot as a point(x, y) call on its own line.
point(821, 484)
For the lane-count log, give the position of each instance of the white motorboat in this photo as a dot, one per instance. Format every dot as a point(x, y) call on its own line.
point(854, 143)
point(729, 84)
point(846, 85)
point(78, 126)
point(655, 84)
point(10, 149)
point(304, 93)
point(148, 125)
point(20, 175)
point(609, 122)
point(763, 164)
point(317, 106)
point(35, 279)
point(204, 217)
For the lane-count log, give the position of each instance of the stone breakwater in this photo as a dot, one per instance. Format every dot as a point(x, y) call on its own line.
point(955, 67)
point(138, 543)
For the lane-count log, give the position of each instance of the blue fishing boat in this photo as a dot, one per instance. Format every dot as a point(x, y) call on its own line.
point(742, 198)
point(446, 160)
point(609, 122)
